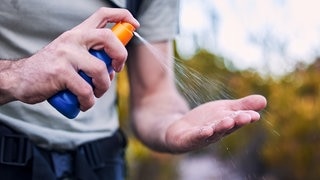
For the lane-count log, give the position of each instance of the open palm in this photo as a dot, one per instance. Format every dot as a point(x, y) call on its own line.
point(211, 121)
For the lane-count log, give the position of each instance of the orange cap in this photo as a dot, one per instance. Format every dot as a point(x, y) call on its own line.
point(124, 31)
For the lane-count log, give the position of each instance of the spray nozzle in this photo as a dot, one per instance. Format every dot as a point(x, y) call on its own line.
point(124, 31)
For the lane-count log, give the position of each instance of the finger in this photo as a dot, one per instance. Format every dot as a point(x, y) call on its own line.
point(209, 135)
point(218, 130)
point(101, 81)
point(252, 102)
point(97, 70)
point(112, 75)
point(224, 125)
point(214, 132)
point(197, 138)
point(81, 89)
point(254, 115)
point(243, 118)
point(104, 39)
point(101, 17)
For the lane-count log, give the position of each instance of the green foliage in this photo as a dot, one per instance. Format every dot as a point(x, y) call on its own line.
point(294, 112)
point(284, 143)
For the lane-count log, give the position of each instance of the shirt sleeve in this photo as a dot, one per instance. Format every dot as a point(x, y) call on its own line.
point(159, 19)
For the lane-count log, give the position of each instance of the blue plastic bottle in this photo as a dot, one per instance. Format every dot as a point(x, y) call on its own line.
point(65, 101)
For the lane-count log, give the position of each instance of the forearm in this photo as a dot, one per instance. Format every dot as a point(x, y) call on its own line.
point(27, 80)
point(155, 101)
point(20, 80)
point(7, 82)
point(152, 117)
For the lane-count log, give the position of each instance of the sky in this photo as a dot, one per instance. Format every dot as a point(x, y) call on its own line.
point(270, 36)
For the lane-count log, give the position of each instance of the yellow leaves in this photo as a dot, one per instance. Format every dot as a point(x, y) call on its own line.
point(287, 138)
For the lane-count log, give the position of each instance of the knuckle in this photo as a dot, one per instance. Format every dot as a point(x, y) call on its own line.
point(59, 70)
point(67, 35)
point(101, 87)
point(85, 97)
point(121, 55)
point(102, 10)
point(126, 12)
point(71, 36)
point(108, 84)
point(61, 47)
point(101, 90)
point(60, 53)
point(107, 33)
point(104, 34)
point(88, 104)
point(86, 92)
point(100, 68)
point(124, 55)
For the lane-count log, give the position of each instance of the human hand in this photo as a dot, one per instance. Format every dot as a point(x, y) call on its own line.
point(210, 122)
point(56, 66)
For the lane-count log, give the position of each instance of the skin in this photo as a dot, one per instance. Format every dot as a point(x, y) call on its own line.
point(162, 119)
point(160, 116)
point(55, 67)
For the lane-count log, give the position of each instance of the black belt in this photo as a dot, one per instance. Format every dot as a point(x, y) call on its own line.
point(16, 149)
point(99, 152)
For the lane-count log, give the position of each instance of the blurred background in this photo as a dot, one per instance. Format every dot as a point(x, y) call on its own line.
point(229, 49)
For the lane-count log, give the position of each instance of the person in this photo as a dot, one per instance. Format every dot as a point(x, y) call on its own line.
point(43, 46)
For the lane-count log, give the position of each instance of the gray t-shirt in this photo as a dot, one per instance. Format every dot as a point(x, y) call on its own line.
point(28, 26)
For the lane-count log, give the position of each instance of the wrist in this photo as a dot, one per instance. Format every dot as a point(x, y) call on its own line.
point(7, 82)
point(156, 138)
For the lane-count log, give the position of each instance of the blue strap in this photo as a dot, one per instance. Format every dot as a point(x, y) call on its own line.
point(63, 164)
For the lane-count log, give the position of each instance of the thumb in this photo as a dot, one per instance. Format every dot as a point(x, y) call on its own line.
point(252, 102)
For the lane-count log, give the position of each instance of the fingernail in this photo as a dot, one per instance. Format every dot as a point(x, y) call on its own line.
point(119, 68)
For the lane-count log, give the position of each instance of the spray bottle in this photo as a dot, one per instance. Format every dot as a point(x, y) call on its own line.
point(65, 101)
